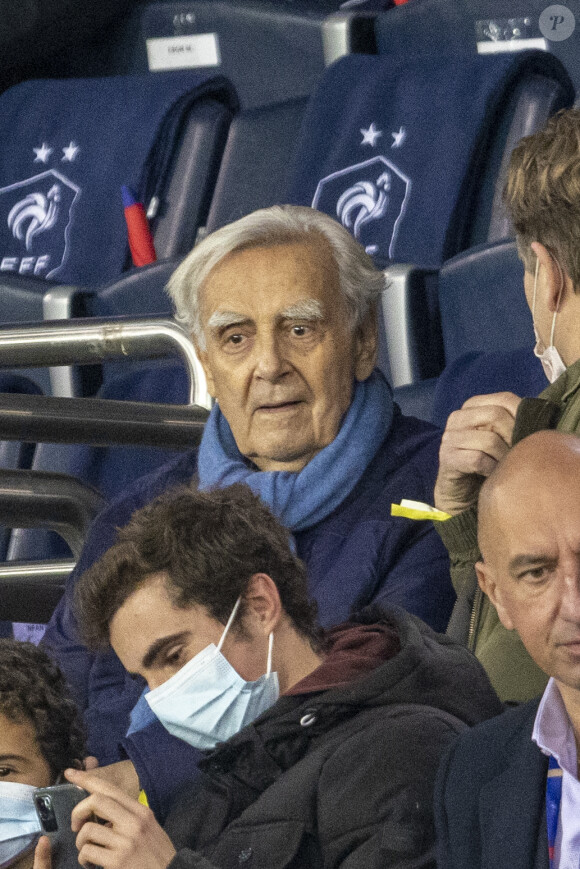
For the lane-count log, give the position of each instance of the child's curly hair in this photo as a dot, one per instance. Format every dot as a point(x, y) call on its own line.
point(32, 689)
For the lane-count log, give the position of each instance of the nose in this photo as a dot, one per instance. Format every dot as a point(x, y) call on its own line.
point(270, 361)
point(570, 599)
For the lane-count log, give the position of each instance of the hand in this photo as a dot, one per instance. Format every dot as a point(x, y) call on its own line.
point(42, 854)
point(476, 437)
point(130, 838)
point(122, 774)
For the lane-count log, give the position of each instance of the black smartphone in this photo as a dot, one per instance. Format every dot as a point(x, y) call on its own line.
point(54, 805)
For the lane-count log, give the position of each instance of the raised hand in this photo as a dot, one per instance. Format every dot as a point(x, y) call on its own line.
point(476, 437)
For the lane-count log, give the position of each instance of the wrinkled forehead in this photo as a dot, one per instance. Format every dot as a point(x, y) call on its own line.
point(302, 274)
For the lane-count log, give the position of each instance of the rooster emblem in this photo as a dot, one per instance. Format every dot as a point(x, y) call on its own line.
point(40, 212)
point(363, 203)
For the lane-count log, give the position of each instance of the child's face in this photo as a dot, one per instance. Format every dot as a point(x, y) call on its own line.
point(20, 756)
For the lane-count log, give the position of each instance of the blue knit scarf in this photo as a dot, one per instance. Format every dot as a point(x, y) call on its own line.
point(301, 499)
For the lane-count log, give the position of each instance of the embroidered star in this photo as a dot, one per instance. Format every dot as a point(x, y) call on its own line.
point(398, 138)
point(370, 136)
point(42, 153)
point(70, 152)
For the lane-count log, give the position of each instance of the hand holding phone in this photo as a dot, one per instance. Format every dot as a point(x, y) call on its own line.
point(54, 806)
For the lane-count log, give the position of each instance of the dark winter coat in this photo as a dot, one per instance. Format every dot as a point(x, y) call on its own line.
point(342, 778)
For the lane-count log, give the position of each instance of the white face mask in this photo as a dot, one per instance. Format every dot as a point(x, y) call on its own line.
point(207, 701)
point(551, 360)
point(19, 824)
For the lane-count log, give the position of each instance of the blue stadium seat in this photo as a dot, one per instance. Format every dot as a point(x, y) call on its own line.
point(272, 50)
point(466, 27)
point(479, 373)
point(21, 301)
point(474, 302)
point(256, 161)
point(482, 303)
point(486, 331)
point(61, 213)
point(399, 150)
point(138, 292)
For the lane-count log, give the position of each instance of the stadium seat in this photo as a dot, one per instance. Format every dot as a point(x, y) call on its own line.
point(256, 161)
point(469, 27)
point(272, 50)
point(482, 303)
point(486, 332)
point(400, 150)
point(431, 209)
point(479, 373)
point(21, 301)
point(60, 189)
point(474, 302)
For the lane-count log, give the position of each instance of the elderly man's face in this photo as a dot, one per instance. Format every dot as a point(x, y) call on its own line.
point(532, 568)
point(280, 356)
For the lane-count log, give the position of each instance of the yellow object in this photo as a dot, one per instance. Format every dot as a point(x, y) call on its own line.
point(143, 799)
point(418, 510)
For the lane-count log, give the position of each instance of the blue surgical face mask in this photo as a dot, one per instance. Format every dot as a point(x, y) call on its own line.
point(207, 701)
point(19, 824)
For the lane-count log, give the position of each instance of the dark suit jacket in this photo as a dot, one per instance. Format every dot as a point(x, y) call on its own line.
point(490, 797)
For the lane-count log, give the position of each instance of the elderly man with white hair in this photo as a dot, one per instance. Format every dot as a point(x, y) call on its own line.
point(282, 309)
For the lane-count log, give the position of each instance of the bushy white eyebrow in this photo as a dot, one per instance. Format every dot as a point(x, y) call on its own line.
point(224, 319)
point(307, 309)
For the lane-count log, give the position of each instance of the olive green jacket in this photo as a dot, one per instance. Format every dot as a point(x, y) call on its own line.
point(474, 621)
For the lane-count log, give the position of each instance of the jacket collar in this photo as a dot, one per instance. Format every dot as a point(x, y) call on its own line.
point(426, 671)
point(512, 805)
point(565, 386)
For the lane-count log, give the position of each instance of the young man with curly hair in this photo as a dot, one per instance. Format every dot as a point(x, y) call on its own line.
point(41, 734)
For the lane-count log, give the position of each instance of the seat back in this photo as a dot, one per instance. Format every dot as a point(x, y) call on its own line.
point(272, 50)
point(478, 373)
point(398, 149)
point(60, 196)
point(482, 302)
point(21, 301)
point(469, 27)
point(256, 162)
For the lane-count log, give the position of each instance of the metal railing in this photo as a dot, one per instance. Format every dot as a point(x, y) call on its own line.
point(85, 342)
point(33, 499)
point(30, 590)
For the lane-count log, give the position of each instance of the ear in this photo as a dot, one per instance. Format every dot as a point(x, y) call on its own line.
point(557, 281)
point(488, 585)
point(202, 355)
point(263, 607)
point(366, 346)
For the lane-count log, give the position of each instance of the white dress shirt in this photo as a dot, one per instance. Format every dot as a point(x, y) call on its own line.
point(554, 735)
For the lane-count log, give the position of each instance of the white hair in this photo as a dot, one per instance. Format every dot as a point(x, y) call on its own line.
point(360, 281)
